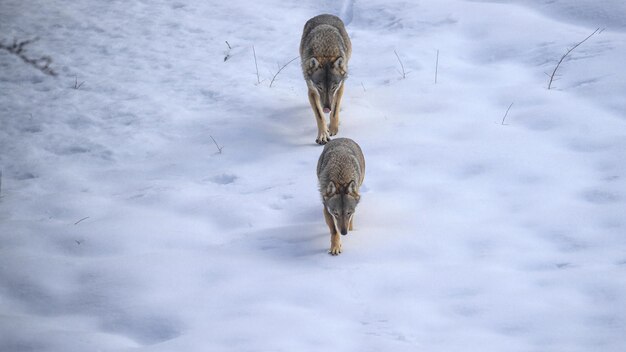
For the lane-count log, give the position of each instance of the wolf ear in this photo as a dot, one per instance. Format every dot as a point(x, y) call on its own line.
point(313, 63)
point(351, 189)
point(331, 189)
point(339, 63)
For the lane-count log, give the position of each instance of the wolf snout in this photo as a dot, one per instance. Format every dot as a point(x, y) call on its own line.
point(326, 110)
point(344, 232)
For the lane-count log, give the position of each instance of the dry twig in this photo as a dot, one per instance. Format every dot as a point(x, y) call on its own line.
point(219, 149)
point(18, 48)
point(280, 69)
point(76, 84)
point(79, 221)
point(258, 79)
point(401, 65)
point(227, 53)
point(436, 66)
point(506, 113)
point(553, 75)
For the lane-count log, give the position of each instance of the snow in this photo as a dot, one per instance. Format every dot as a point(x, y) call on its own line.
point(122, 228)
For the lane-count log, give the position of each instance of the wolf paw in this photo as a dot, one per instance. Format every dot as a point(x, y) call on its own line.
point(322, 138)
point(335, 250)
point(333, 130)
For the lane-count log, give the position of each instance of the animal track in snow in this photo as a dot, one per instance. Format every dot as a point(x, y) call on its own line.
point(596, 196)
point(147, 329)
point(223, 179)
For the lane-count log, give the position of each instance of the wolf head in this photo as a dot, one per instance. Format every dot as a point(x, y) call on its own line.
point(341, 203)
point(326, 79)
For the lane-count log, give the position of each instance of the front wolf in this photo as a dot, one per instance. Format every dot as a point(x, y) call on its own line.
point(340, 171)
point(325, 49)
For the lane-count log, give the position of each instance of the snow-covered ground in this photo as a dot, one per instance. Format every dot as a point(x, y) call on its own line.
point(122, 228)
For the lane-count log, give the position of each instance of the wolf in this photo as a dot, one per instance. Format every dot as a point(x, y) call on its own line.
point(340, 171)
point(325, 49)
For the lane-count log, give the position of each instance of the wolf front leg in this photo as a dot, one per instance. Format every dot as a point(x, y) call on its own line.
point(335, 240)
point(322, 131)
point(334, 114)
point(350, 224)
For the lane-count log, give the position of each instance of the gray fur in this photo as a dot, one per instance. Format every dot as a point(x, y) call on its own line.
point(323, 29)
point(341, 161)
point(340, 171)
point(325, 49)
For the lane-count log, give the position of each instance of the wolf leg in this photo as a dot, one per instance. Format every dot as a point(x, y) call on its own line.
point(334, 114)
point(350, 225)
point(335, 240)
point(322, 132)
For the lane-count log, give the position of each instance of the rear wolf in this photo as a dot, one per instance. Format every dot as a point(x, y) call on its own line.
point(325, 49)
point(340, 171)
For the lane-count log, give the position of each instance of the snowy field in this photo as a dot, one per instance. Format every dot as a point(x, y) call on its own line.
point(122, 228)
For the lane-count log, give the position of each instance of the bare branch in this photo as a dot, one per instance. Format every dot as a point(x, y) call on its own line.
point(506, 113)
point(219, 149)
point(258, 79)
point(76, 84)
point(280, 69)
point(227, 53)
point(436, 66)
point(18, 48)
point(403, 73)
point(598, 30)
point(79, 221)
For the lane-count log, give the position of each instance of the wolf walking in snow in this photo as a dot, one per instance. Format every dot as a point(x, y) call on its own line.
point(340, 171)
point(325, 49)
